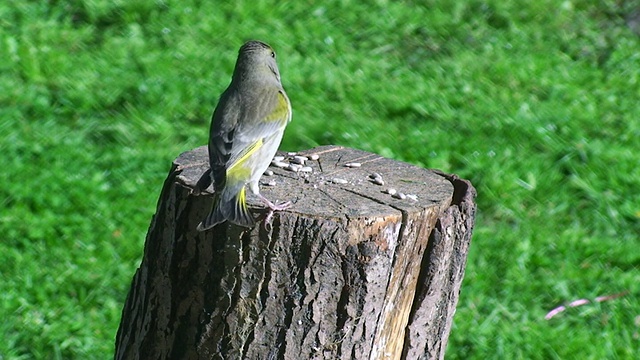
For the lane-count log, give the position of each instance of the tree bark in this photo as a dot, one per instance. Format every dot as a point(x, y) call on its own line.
point(347, 272)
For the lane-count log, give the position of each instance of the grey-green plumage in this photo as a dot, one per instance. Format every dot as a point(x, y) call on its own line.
point(246, 130)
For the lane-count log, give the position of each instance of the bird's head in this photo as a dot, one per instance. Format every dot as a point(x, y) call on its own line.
point(256, 60)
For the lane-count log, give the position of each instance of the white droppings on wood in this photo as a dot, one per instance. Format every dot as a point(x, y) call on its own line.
point(353, 165)
point(299, 159)
point(400, 196)
point(378, 181)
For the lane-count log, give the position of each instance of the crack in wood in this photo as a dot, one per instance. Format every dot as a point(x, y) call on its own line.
point(402, 211)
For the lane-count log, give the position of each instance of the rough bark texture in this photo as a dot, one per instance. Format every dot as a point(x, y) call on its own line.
point(441, 275)
point(348, 272)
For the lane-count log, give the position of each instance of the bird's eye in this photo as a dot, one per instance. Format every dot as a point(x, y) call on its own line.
point(273, 54)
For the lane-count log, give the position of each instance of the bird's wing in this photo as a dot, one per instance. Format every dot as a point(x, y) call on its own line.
point(271, 113)
point(270, 116)
point(223, 126)
point(238, 131)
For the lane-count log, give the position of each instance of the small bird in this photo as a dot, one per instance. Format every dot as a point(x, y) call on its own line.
point(246, 130)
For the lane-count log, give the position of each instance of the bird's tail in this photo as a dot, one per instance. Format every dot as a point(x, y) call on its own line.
point(234, 210)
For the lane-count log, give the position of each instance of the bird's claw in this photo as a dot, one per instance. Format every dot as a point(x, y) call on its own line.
point(272, 209)
point(283, 206)
point(267, 220)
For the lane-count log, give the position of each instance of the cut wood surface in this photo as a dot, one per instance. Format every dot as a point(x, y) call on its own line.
point(349, 271)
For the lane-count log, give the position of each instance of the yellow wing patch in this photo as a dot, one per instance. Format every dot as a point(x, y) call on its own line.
point(236, 170)
point(282, 111)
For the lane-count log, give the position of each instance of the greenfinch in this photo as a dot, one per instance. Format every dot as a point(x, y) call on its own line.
point(246, 130)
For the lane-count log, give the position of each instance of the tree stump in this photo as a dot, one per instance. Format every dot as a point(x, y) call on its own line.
point(349, 271)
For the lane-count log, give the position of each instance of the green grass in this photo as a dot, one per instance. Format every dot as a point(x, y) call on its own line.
point(537, 103)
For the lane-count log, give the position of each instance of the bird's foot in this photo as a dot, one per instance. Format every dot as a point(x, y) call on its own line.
point(272, 209)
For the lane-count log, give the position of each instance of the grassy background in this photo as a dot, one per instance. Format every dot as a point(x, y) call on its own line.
point(537, 103)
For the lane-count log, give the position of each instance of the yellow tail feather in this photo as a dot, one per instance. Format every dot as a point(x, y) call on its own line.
point(234, 211)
